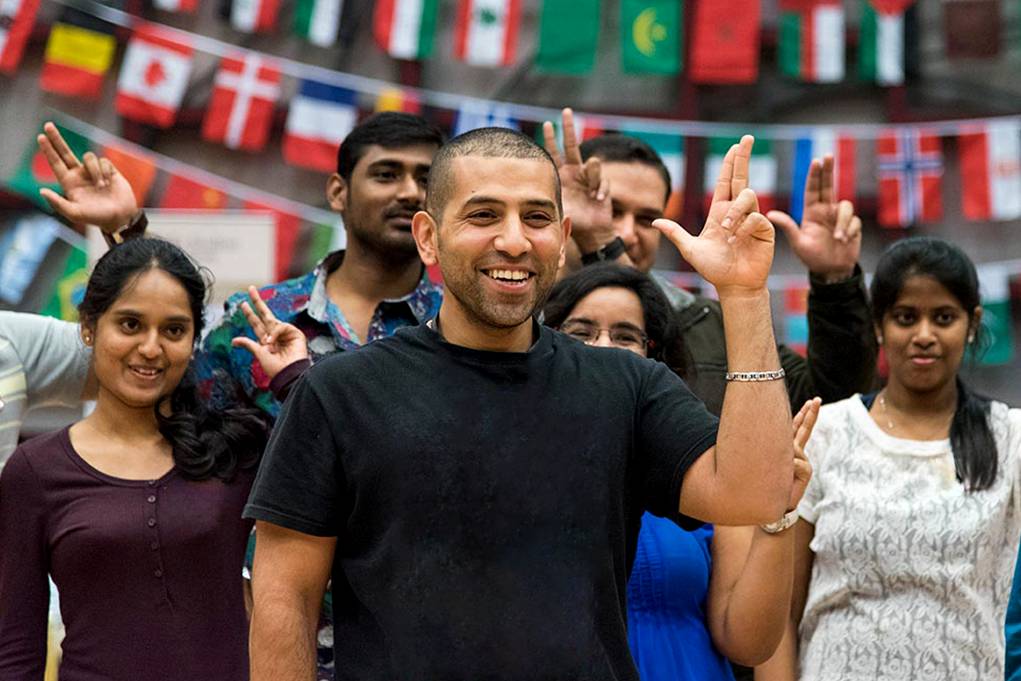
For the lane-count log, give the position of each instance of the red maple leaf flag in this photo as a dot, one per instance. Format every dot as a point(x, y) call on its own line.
point(910, 173)
point(153, 78)
point(241, 109)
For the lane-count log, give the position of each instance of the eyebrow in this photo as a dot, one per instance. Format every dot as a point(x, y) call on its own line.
point(180, 319)
point(395, 163)
point(536, 203)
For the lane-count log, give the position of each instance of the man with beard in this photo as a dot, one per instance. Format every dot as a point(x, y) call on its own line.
point(367, 291)
point(473, 486)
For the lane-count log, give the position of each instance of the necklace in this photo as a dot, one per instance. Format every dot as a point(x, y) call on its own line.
point(886, 413)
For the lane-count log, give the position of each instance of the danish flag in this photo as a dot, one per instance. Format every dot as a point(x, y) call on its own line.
point(910, 171)
point(241, 109)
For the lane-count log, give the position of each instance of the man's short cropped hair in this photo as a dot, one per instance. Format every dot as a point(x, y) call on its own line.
point(615, 147)
point(390, 130)
point(484, 143)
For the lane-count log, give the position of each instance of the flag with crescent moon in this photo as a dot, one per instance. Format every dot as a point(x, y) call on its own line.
point(650, 39)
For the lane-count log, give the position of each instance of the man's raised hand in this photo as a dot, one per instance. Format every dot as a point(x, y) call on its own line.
point(94, 192)
point(828, 240)
point(735, 249)
point(586, 193)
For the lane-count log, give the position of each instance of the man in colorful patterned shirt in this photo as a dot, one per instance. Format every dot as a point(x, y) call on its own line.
point(369, 290)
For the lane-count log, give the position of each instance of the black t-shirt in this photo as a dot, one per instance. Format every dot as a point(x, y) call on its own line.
point(486, 504)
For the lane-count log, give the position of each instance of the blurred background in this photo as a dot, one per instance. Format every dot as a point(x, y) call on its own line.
point(920, 101)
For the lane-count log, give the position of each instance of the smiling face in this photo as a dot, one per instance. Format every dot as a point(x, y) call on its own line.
point(142, 344)
point(500, 239)
point(387, 187)
point(638, 193)
point(924, 335)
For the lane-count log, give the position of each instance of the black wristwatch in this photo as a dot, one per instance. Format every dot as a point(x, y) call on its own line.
point(610, 251)
point(135, 228)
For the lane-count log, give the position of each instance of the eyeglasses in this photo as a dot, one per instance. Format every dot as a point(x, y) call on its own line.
point(621, 336)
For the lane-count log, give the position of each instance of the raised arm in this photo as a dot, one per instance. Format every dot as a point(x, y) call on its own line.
point(745, 479)
point(752, 572)
point(289, 577)
point(841, 344)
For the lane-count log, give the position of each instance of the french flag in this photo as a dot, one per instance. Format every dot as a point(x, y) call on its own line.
point(823, 141)
point(319, 119)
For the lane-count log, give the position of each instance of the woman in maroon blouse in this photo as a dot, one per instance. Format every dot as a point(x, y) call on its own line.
point(135, 510)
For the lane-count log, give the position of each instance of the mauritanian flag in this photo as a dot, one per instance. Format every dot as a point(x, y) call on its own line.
point(991, 171)
point(568, 36)
point(820, 142)
point(812, 40)
point(153, 78)
point(254, 16)
point(486, 32)
point(910, 174)
point(650, 36)
point(319, 119)
point(318, 21)
point(182, 6)
point(241, 109)
point(405, 28)
point(881, 44)
point(761, 170)
point(16, 20)
point(76, 60)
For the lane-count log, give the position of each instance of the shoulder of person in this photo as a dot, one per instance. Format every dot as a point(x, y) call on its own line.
point(34, 457)
point(19, 327)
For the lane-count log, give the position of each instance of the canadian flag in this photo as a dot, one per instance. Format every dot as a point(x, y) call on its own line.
point(241, 109)
point(910, 172)
point(183, 6)
point(486, 33)
point(991, 171)
point(153, 78)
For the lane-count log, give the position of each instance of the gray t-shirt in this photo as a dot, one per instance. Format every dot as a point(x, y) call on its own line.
point(43, 363)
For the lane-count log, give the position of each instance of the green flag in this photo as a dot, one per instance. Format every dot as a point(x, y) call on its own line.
point(650, 36)
point(70, 287)
point(568, 36)
point(34, 172)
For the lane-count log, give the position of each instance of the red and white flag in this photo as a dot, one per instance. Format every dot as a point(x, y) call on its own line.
point(486, 33)
point(153, 78)
point(991, 171)
point(241, 108)
point(320, 117)
point(910, 172)
point(16, 20)
point(254, 16)
point(183, 6)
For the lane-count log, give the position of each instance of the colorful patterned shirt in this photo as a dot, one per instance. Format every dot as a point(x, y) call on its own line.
point(229, 375)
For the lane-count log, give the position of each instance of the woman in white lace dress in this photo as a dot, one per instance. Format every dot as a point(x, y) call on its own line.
point(909, 530)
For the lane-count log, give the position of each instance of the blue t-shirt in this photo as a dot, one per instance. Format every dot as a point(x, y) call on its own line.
point(666, 605)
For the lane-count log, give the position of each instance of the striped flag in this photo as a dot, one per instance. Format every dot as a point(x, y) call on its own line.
point(241, 109)
point(405, 28)
point(319, 119)
point(182, 6)
point(475, 114)
point(16, 20)
point(761, 170)
point(812, 40)
point(881, 45)
point(991, 171)
point(153, 78)
point(910, 171)
point(254, 16)
point(396, 99)
point(318, 21)
point(76, 60)
point(486, 32)
point(823, 141)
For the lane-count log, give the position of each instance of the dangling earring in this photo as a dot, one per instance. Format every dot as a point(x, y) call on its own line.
point(87, 338)
point(971, 338)
point(879, 338)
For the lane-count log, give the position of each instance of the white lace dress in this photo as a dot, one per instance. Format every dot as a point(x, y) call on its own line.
point(911, 574)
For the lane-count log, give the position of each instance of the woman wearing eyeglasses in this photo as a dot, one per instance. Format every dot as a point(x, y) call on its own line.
point(696, 598)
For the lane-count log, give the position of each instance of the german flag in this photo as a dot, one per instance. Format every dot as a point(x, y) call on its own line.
point(78, 55)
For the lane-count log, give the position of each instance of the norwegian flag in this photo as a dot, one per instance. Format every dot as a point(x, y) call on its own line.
point(153, 78)
point(241, 109)
point(910, 171)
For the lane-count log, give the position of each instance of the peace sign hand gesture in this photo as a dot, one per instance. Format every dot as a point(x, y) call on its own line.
point(828, 240)
point(735, 249)
point(586, 193)
point(279, 343)
point(94, 192)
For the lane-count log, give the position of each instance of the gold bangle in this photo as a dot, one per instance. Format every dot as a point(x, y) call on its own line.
point(755, 376)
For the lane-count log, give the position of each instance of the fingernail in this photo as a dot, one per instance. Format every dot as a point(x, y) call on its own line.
point(727, 222)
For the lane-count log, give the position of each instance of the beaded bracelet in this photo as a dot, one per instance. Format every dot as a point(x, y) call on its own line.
point(755, 376)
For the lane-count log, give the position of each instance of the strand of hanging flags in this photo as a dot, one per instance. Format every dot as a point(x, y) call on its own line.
point(725, 36)
point(248, 86)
